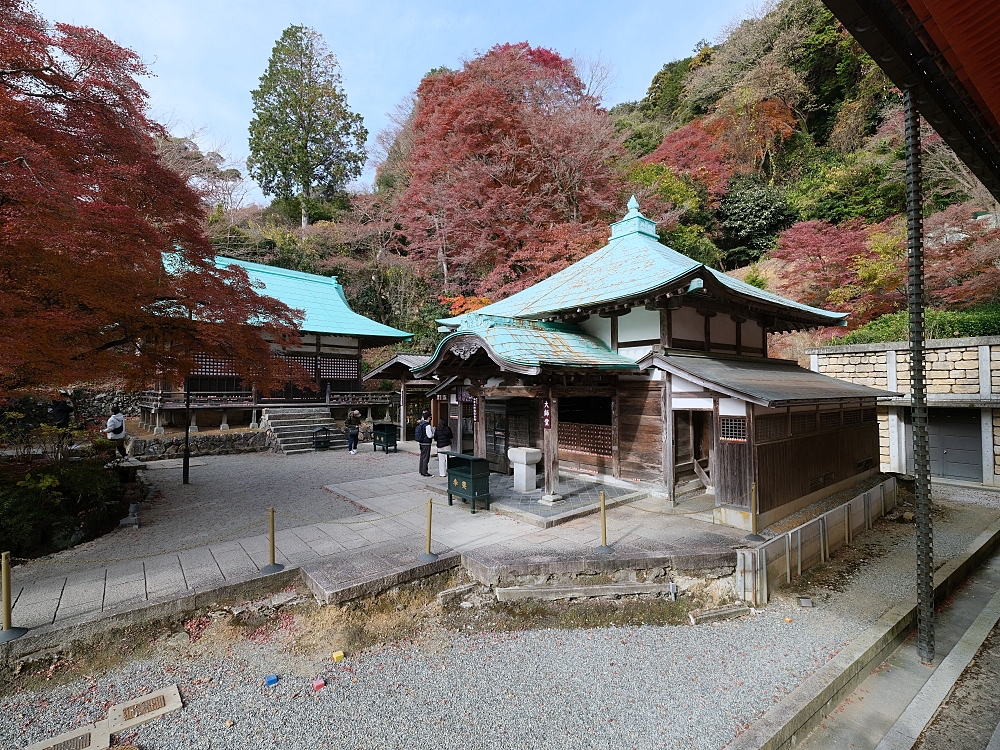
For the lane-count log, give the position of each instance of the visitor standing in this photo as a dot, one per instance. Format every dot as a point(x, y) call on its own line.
point(424, 434)
point(443, 436)
point(353, 425)
point(115, 429)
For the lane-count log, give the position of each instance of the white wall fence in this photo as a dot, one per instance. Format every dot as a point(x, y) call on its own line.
point(760, 570)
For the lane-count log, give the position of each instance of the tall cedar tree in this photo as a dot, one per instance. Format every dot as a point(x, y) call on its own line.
point(505, 151)
point(303, 134)
point(86, 212)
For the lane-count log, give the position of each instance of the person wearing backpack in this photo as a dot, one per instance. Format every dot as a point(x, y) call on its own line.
point(115, 430)
point(443, 436)
point(424, 433)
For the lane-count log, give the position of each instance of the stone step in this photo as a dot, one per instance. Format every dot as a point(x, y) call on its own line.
point(334, 432)
point(293, 451)
point(315, 421)
point(691, 485)
point(318, 409)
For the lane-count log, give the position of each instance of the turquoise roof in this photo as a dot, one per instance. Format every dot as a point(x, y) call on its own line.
point(632, 264)
point(527, 345)
point(320, 297)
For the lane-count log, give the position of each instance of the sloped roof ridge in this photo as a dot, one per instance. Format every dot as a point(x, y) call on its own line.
point(277, 271)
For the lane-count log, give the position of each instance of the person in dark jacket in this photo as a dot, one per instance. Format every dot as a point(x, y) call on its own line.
point(424, 434)
point(353, 425)
point(443, 437)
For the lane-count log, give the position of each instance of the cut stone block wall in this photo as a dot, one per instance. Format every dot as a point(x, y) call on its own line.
point(865, 368)
point(883, 438)
point(948, 370)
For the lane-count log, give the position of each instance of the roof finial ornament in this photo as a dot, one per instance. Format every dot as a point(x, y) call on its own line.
point(633, 205)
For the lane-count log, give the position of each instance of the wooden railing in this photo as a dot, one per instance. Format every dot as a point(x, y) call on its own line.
point(164, 400)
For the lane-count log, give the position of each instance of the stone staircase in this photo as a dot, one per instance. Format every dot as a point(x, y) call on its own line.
point(292, 427)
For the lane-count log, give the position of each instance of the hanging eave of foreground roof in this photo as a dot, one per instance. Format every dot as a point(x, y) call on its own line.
point(892, 34)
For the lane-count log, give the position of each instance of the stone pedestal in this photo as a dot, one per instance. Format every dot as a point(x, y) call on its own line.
point(524, 460)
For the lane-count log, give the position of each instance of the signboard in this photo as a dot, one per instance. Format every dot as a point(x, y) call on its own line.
point(546, 414)
point(475, 410)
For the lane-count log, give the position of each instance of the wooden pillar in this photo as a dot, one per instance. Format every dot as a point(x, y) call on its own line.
point(402, 410)
point(616, 409)
point(667, 448)
point(666, 329)
point(550, 449)
point(479, 426)
point(614, 333)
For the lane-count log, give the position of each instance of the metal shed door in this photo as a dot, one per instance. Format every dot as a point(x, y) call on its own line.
point(955, 444)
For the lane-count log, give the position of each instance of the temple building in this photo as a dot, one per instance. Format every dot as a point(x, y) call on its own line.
point(332, 338)
point(639, 364)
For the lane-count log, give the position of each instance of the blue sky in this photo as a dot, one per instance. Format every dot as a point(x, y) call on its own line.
point(207, 56)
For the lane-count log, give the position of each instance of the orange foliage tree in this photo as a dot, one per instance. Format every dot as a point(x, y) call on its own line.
point(87, 212)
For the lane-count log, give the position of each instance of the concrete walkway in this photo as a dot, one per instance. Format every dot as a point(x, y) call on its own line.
point(388, 512)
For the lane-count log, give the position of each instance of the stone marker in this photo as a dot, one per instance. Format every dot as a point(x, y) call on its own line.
point(88, 737)
point(524, 460)
point(140, 710)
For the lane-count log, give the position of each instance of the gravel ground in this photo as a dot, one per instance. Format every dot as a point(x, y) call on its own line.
point(228, 498)
point(632, 687)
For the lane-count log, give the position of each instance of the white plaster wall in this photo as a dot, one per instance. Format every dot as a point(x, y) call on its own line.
point(732, 407)
point(681, 384)
point(634, 352)
point(688, 324)
point(753, 335)
point(639, 325)
point(723, 330)
point(599, 328)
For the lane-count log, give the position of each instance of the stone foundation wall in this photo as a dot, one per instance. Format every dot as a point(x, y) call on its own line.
point(200, 445)
point(948, 370)
point(864, 368)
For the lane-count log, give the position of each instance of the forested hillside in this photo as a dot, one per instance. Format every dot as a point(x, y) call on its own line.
point(776, 151)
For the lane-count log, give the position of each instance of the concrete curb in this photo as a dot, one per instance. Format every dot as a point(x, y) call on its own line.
point(806, 706)
point(549, 521)
point(915, 718)
point(136, 613)
point(328, 591)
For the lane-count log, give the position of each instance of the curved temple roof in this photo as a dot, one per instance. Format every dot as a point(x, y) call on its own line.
point(634, 263)
point(321, 297)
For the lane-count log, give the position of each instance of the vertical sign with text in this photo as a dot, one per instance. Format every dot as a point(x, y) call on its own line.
point(546, 415)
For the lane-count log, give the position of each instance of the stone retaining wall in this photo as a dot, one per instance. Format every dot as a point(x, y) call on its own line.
point(200, 445)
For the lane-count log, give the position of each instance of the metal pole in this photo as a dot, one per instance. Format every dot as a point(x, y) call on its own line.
point(274, 567)
point(427, 555)
point(187, 429)
point(604, 549)
point(918, 390)
point(9, 633)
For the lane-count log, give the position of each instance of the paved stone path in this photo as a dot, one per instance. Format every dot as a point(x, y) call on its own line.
point(208, 533)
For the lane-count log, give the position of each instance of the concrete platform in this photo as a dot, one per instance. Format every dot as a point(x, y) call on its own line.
point(581, 497)
point(340, 578)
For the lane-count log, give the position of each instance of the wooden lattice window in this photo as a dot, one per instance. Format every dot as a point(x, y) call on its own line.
point(585, 438)
point(772, 427)
point(212, 367)
point(338, 369)
point(852, 418)
point(829, 420)
point(868, 415)
point(803, 422)
point(733, 429)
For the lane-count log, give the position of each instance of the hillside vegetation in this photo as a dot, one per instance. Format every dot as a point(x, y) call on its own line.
point(781, 141)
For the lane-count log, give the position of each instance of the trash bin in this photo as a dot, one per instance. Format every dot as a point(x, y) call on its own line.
point(384, 436)
point(321, 439)
point(469, 478)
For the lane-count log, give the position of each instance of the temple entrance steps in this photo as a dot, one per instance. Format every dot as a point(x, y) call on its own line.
point(688, 486)
point(292, 427)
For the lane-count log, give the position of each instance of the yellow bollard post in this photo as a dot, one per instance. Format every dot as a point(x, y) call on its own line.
point(604, 549)
point(427, 555)
point(274, 567)
point(9, 633)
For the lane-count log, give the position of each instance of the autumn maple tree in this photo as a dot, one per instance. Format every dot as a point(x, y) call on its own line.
point(105, 270)
point(503, 151)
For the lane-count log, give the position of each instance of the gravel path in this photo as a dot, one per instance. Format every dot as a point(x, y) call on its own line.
point(633, 687)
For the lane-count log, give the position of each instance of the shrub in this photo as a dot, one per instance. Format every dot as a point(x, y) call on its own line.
point(983, 320)
point(58, 505)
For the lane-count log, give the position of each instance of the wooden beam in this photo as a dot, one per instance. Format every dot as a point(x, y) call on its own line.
point(479, 427)
point(667, 448)
point(550, 446)
point(616, 464)
point(519, 391)
point(614, 333)
point(570, 391)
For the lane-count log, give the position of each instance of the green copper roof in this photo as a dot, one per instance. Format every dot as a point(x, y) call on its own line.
point(527, 345)
point(632, 264)
point(321, 297)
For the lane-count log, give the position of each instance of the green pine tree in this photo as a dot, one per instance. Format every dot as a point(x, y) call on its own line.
point(303, 136)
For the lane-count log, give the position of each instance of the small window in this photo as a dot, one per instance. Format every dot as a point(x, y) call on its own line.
point(852, 418)
point(733, 429)
point(829, 420)
point(803, 422)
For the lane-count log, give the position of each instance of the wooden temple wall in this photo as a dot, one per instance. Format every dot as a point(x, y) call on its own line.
point(790, 469)
point(640, 431)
